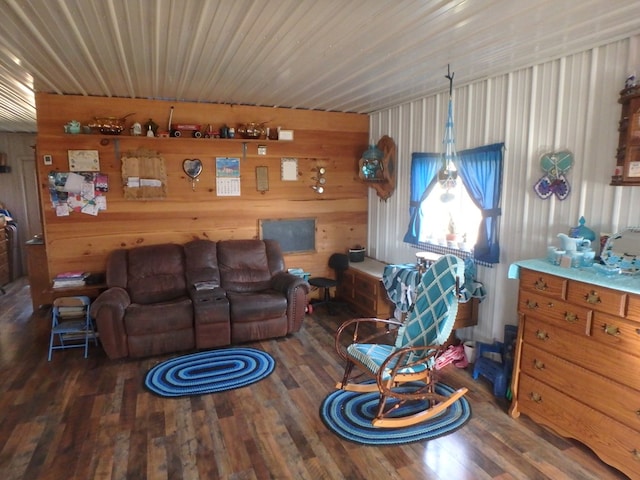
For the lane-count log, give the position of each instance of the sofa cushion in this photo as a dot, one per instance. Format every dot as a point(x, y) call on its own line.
point(159, 317)
point(244, 265)
point(201, 262)
point(251, 307)
point(156, 273)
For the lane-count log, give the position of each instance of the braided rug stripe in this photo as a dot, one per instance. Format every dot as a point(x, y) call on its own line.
point(209, 372)
point(349, 415)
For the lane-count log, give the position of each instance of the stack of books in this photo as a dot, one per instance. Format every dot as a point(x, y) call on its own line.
point(70, 279)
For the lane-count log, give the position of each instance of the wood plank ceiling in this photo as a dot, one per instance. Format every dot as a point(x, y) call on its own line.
point(356, 55)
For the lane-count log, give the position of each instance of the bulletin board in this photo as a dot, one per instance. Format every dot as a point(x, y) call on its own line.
point(80, 192)
point(144, 175)
point(295, 235)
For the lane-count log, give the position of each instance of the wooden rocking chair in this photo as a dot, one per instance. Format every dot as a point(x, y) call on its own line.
point(404, 371)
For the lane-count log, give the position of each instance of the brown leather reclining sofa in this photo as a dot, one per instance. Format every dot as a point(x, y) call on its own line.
point(152, 305)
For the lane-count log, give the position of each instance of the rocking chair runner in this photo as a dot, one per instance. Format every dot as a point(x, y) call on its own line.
point(411, 360)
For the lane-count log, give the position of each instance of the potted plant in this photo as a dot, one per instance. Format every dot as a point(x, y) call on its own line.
point(451, 234)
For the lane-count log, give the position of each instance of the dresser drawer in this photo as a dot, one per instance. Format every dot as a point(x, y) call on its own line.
point(633, 307)
point(548, 285)
point(620, 402)
point(584, 351)
point(597, 298)
point(367, 304)
point(348, 279)
point(563, 314)
point(615, 443)
point(616, 332)
point(367, 286)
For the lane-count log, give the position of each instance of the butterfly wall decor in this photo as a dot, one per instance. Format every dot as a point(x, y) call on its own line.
point(554, 181)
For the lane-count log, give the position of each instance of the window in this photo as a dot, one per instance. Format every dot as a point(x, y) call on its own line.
point(479, 183)
point(453, 218)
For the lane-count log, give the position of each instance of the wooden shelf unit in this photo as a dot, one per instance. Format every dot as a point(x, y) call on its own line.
point(628, 153)
point(40, 285)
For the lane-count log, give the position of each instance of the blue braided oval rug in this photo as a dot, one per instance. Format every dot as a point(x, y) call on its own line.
point(349, 415)
point(209, 372)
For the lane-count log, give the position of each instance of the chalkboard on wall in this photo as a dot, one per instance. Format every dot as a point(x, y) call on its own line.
point(295, 235)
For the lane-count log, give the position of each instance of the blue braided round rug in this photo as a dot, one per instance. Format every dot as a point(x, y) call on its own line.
point(209, 372)
point(349, 415)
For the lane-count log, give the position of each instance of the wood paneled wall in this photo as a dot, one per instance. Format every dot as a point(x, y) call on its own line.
point(332, 140)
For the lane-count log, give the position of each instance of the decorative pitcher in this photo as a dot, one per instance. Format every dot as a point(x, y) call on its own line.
point(571, 244)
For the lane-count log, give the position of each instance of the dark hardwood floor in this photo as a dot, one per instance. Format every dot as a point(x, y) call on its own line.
point(73, 418)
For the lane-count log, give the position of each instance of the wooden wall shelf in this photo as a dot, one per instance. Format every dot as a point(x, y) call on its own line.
point(627, 170)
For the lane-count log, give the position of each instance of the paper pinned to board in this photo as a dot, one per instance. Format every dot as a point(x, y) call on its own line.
point(74, 183)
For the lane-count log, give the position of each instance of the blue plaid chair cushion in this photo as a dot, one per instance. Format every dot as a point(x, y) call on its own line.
point(434, 312)
point(372, 355)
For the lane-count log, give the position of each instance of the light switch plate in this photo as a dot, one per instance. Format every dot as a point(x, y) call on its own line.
point(262, 149)
point(48, 160)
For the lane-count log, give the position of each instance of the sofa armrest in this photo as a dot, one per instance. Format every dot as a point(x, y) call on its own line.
point(108, 311)
point(296, 290)
point(212, 319)
point(287, 283)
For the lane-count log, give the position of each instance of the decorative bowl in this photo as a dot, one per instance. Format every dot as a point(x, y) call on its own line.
point(607, 270)
point(109, 125)
point(252, 130)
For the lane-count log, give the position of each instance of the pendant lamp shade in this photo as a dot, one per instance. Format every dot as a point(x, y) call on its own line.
point(447, 176)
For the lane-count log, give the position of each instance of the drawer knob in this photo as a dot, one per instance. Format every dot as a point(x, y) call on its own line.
point(542, 335)
point(635, 453)
point(532, 304)
point(611, 330)
point(638, 413)
point(537, 364)
point(571, 317)
point(540, 284)
point(536, 397)
point(592, 297)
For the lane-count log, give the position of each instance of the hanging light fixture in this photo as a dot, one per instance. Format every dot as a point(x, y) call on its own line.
point(447, 175)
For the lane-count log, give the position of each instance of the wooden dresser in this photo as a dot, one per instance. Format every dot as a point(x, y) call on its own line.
point(362, 288)
point(577, 367)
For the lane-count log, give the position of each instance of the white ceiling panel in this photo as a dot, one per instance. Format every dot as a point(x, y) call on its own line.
point(337, 55)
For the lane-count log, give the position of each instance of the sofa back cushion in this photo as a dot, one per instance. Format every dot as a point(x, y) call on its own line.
point(156, 273)
point(245, 265)
point(201, 262)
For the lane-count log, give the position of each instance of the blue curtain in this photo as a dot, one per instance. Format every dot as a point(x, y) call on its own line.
point(424, 170)
point(480, 170)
